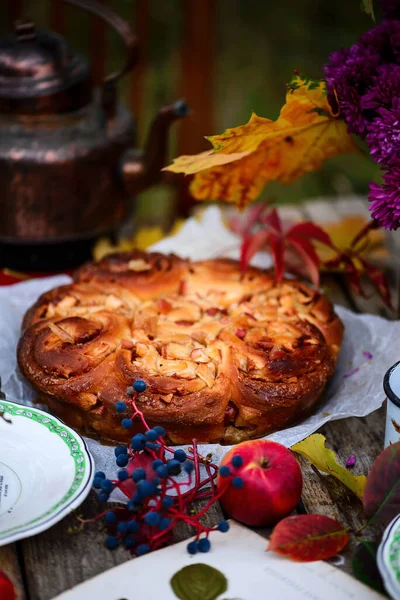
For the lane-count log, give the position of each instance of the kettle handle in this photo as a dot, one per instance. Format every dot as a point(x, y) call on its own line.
point(122, 28)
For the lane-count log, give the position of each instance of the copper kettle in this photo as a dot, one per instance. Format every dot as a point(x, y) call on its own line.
point(67, 174)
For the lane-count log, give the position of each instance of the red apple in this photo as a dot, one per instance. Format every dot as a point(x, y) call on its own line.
point(270, 480)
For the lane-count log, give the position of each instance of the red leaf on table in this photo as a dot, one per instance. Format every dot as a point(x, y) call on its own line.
point(278, 254)
point(7, 590)
point(273, 220)
point(382, 493)
point(309, 256)
point(379, 281)
point(306, 538)
point(311, 231)
point(251, 245)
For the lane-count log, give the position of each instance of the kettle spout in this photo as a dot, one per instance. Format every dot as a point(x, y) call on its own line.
point(142, 171)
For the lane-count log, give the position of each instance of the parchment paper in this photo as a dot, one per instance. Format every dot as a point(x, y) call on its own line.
point(349, 393)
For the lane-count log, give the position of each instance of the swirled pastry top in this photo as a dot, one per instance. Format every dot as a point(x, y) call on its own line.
point(225, 357)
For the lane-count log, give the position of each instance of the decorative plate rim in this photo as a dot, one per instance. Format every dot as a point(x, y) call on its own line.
point(391, 581)
point(81, 485)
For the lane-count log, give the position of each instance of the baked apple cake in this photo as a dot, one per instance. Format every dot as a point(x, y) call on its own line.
point(226, 357)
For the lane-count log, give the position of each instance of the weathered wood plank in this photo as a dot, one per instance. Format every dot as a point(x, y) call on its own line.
point(10, 565)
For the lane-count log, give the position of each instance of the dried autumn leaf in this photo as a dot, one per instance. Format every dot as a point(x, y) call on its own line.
point(382, 493)
point(245, 158)
point(307, 538)
point(313, 448)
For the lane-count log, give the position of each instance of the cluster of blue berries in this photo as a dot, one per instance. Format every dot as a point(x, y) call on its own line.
point(204, 544)
point(150, 512)
point(225, 471)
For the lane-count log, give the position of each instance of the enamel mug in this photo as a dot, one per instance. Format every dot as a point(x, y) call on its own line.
point(391, 385)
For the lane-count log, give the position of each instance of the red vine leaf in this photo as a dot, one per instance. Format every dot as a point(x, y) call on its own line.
point(7, 590)
point(250, 246)
point(382, 493)
point(306, 538)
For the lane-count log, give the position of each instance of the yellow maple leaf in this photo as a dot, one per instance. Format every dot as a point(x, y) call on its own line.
point(243, 159)
point(313, 448)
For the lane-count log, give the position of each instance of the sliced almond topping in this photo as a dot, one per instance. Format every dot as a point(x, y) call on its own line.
point(67, 302)
point(138, 265)
point(63, 335)
point(167, 398)
point(204, 373)
point(112, 302)
point(50, 311)
point(198, 355)
point(181, 351)
point(127, 344)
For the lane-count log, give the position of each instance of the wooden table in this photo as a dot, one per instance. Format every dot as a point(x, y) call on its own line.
point(54, 561)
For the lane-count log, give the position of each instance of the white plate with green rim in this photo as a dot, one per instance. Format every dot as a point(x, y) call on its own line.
point(46, 471)
point(388, 558)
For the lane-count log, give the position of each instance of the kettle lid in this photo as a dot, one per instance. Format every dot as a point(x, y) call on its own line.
point(40, 74)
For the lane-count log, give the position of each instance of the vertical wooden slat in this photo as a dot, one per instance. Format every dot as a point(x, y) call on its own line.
point(98, 48)
point(57, 16)
point(138, 77)
point(198, 59)
point(15, 10)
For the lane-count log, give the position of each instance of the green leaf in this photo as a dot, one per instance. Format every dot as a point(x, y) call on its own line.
point(199, 582)
point(365, 567)
point(368, 6)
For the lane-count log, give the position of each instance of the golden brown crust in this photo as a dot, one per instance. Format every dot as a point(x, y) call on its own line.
point(225, 357)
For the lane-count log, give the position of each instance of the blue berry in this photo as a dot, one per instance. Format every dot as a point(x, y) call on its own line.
point(174, 467)
point(152, 446)
point(237, 461)
point(129, 542)
point(107, 486)
point(151, 435)
point(162, 471)
point(138, 498)
point(192, 547)
point(164, 523)
point(97, 483)
point(157, 463)
point(138, 441)
point(139, 386)
point(103, 496)
point(180, 455)
point(223, 526)
point(111, 542)
point(120, 407)
point(126, 423)
point(167, 502)
point(146, 488)
point(188, 466)
point(133, 527)
point(237, 482)
point(143, 549)
point(152, 518)
point(224, 471)
point(110, 518)
point(123, 475)
point(160, 430)
point(120, 450)
point(122, 460)
point(100, 475)
point(123, 527)
point(132, 506)
point(156, 481)
point(138, 474)
point(204, 545)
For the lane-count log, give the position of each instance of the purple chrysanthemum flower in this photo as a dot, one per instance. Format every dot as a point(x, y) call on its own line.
point(348, 75)
point(384, 135)
point(385, 200)
point(390, 9)
point(384, 87)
